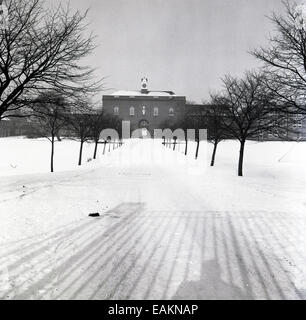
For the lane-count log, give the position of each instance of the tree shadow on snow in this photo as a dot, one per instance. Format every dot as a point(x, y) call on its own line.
point(49, 267)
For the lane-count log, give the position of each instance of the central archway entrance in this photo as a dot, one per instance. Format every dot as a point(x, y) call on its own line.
point(144, 126)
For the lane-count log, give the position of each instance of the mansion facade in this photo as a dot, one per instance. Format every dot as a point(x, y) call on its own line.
point(146, 109)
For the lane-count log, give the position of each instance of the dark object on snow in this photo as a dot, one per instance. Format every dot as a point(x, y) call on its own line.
point(94, 215)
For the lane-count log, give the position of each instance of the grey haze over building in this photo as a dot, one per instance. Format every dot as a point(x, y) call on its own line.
point(180, 45)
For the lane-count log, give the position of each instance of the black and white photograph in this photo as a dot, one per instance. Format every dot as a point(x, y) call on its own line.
point(152, 150)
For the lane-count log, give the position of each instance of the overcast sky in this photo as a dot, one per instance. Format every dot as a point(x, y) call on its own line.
point(181, 45)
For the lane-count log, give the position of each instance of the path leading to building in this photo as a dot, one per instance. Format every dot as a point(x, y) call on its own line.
point(160, 236)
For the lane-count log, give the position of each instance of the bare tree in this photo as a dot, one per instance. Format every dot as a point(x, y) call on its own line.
point(285, 58)
point(251, 109)
point(42, 48)
point(101, 120)
point(80, 123)
point(213, 121)
point(49, 117)
point(206, 116)
point(98, 124)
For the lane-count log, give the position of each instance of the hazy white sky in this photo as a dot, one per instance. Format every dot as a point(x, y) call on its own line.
point(181, 45)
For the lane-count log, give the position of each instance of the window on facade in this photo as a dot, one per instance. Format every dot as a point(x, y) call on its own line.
point(155, 112)
point(116, 111)
point(171, 112)
point(132, 111)
point(144, 110)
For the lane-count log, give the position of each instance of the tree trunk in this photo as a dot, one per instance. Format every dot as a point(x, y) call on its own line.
point(96, 150)
point(186, 147)
point(241, 155)
point(214, 154)
point(81, 153)
point(52, 154)
point(198, 147)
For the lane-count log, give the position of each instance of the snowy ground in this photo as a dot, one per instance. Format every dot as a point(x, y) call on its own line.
point(171, 227)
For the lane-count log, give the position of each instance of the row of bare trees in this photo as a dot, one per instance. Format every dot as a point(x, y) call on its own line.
point(250, 109)
point(42, 73)
point(244, 110)
point(53, 115)
point(266, 101)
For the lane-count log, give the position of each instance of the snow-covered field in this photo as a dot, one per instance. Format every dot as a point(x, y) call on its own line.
point(170, 226)
point(27, 156)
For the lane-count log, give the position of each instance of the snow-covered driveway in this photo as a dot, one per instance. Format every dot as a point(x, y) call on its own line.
point(168, 230)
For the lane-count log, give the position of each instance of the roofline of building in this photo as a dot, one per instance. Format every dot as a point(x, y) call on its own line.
point(140, 97)
point(147, 91)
